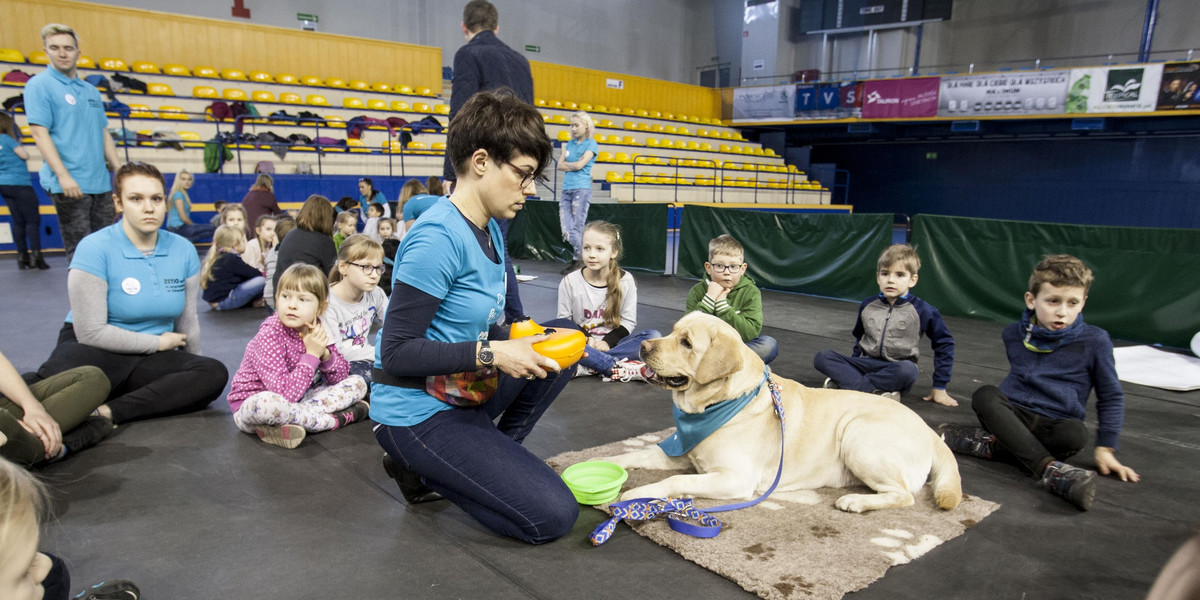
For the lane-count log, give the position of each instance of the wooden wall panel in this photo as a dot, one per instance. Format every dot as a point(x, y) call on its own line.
point(558, 82)
point(134, 34)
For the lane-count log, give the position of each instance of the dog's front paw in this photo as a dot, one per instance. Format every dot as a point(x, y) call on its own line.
point(646, 491)
point(850, 503)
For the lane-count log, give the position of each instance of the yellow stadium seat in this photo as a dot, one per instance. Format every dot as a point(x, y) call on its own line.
point(681, 117)
point(421, 107)
point(287, 78)
point(415, 145)
point(539, 102)
point(725, 135)
point(204, 91)
point(559, 119)
point(622, 157)
point(600, 108)
point(113, 64)
point(140, 111)
point(352, 103)
point(570, 106)
point(630, 111)
point(233, 74)
point(311, 81)
point(667, 143)
point(379, 86)
point(335, 122)
point(39, 57)
point(438, 147)
point(612, 177)
point(441, 109)
point(606, 123)
point(358, 84)
point(234, 94)
point(316, 100)
point(564, 136)
point(85, 62)
point(173, 113)
point(643, 113)
point(404, 89)
point(206, 72)
point(177, 70)
point(190, 136)
point(290, 98)
point(693, 145)
point(555, 104)
point(756, 151)
point(400, 106)
point(657, 128)
point(11, 55)
point(141, 66)
point(614, 110)
point(262, 96)
point(159, 89)
point(652, 142)
point(684, 131)
point(768, 152)
point(705, 147)
point(629, 141)
point(670, 129)
point(630, 125)
point(601, 138)
point(604, 157)
point(702, 133)
point(643, 127)
point(585, 106)
point(356, 145)
point(335, 82)
point(424, 91)
point(377, 104)
point(668, 116)
point(260, 77)
point(725, 148)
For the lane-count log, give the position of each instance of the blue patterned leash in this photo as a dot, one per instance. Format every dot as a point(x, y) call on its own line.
point(679, 509)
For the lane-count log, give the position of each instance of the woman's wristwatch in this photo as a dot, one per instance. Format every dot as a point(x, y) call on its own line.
point(486, 356)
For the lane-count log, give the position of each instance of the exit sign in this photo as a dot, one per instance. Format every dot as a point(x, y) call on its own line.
point(306, 17)
point(532, 48)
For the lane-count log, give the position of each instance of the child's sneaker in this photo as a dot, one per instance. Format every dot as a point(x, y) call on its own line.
point(87, 434)
point(627, 370)
point(285, 436)
point(357, 412)
point(829, 384)
point(582, 371)
point(1077, 486)
point(117, 589)
point(893, 396)
point(963, 439)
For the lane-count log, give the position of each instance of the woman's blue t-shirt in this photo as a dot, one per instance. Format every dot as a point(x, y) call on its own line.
point(146, 294)
point(173, 219)
point(573, 151)
point(441, 257)
point(417, 205)
point(364, 202)
point(13, 170)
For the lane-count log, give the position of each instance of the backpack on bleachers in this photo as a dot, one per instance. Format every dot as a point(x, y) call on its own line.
point(12, 102)
point(124, 83)
point(99, 82)
point(118, 107)
point(16, 76)
point(429, 123)
point(220, 110)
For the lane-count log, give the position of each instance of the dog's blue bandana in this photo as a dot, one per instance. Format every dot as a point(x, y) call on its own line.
point(691, 429)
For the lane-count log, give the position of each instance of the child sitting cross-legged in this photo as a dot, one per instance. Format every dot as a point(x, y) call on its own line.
point(1035, 418)
point(345, 226)
point(227, 280)
point(889, 325)
point(273, 393)
point(374, 216)
point(601, 299)
point(356, 304)
point(730, 295)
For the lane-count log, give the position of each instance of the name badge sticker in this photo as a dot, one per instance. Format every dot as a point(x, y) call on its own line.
point(70, 99)
point(131, 286)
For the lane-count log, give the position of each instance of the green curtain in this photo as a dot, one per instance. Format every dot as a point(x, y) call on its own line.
point(1145, 290)
point(830, 255)
point(535, 233)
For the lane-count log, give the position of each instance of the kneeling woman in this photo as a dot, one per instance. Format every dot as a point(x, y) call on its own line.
point(133, 289)
point(443, 370)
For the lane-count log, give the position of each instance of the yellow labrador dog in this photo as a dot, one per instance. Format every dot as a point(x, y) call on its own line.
point(834, 438)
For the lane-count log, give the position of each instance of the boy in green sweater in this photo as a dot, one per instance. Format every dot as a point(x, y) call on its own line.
point(732, 296)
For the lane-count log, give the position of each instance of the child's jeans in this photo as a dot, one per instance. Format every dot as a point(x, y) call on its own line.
point(1031, 439)
point(246, 292)
point(628, 348)
point(314, 412)
point(866, 374)
point(765, 347)
point(572, 215)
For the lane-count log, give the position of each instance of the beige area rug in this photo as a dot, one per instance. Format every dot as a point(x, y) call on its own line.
point(796, 544)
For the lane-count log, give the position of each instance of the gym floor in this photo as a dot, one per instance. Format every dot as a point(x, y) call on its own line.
point(189, 507)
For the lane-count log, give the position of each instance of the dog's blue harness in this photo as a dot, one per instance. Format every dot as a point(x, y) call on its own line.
point(678, 509)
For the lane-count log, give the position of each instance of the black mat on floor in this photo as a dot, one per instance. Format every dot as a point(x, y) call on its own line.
point(189, 507)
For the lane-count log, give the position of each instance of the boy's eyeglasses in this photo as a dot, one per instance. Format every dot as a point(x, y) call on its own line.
point(368, 269)
point(720, 268)
point(527, 176)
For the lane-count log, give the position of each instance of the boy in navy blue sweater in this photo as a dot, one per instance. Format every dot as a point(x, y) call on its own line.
point(889, 326)
point(1036, 415)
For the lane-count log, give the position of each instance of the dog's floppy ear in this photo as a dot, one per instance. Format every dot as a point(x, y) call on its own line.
point(722, 358)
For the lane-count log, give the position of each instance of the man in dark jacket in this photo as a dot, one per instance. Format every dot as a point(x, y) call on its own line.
point(485, 64)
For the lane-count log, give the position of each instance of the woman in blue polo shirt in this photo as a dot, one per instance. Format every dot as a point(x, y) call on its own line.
point(17, 189)
point(444, 371)
point(133, 291)
point(368, 195)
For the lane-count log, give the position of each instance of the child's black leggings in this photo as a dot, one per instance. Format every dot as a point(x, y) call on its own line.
point(1031, 439)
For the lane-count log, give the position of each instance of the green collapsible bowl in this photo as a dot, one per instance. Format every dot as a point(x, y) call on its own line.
point(595, 482)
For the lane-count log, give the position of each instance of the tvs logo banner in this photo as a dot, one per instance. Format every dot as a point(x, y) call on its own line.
point(1114, 89)
point(829, 101)
point(1003, 94)
point(900, 98)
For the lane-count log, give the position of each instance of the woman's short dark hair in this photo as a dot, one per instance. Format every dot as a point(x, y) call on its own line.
point(501, 124)
point(130, 169)
point(316, 215)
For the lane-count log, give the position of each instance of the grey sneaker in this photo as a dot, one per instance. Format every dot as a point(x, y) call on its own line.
point(116, 589)
point(963, 439)
point(893, 396)
point(829, 384)
point(1077, 486)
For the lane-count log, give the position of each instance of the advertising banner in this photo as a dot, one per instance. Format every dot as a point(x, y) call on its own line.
point(900, 98)
point(1003, 94)
point(766, 102)
point(1180, 87)
point(829, 100)
point(1128, 88)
